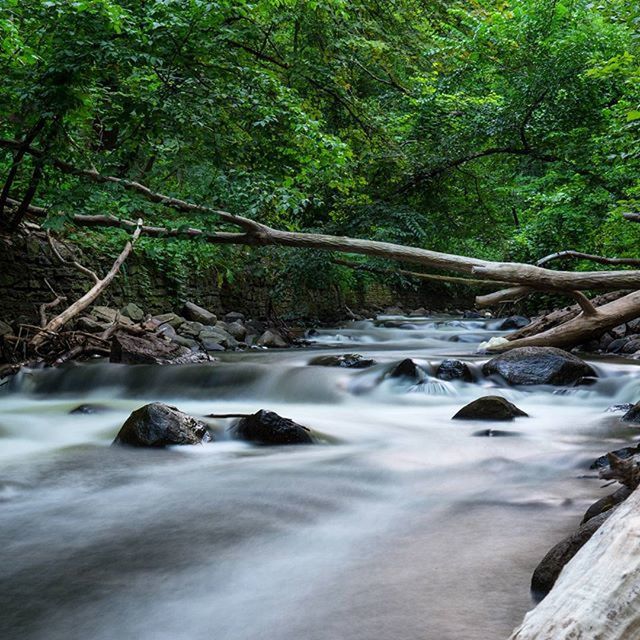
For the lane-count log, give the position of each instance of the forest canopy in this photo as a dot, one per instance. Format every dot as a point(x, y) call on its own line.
point(503, 130)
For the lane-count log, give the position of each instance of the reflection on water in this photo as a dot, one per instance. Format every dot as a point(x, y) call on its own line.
point(406, 527)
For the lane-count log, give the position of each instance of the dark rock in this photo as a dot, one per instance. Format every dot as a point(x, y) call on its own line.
point(159, 425)
point(133, 312)
point(619, 332)
point(346, 360)
point(619, 407)
point(489, 408)
point(212, 344)
point(237, 330)
point(419, 313)
point(190, 329)
point(234, 316)
point(513, 322)
point(605, 341)
point(88, 409)
point(633, 326)
point(210, 335)
point(393, 311)
point(408, 370)
point(626, 452)
point(454, 370)
point(606, 503)
point(255, 326)
point(617, 345)
point(547, 572)
point(183, 341)
point(494, 433)
point(170, 319)
point(538, 365)
point(109, 316)
point(586, 381)
point(272, 339)
point(196, 313)
point(472, 314)
point(632, 346)
point(633, 415)
point(144, 349)
point(268, 428)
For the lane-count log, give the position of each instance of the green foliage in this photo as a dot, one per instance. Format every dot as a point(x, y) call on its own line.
point(500, 129)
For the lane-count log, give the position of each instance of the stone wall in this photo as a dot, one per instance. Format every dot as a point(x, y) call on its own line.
point(27, 264)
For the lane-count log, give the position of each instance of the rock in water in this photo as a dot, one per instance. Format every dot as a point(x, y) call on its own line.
point(513, 322)
point(454, 370)
point(159, 425)
point(633, 415)
point(346, 360)
point(489, 408)
point(547, 572)
point(268, 428)
point(606, 503)
point(538, 365)
point(407, 369)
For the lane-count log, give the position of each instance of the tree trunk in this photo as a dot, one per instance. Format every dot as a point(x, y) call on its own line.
point(596, 596)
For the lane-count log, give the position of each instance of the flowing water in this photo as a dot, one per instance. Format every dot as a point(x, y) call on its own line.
point(403, 525)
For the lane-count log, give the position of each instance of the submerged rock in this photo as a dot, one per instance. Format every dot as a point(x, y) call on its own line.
point(633, 414)
point(538, 365)
point(625, 406)
point(547, 572)
point(494, 433)
point(454, 370)
point(268, 428)
point(345, 360)
point(489, 408)
point(88, 409)
point(159, 425)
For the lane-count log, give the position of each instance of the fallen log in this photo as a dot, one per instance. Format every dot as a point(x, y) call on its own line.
point(596, 596)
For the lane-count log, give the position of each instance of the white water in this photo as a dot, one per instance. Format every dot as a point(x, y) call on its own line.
point(403, 527)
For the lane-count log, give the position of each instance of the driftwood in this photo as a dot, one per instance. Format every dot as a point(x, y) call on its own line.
point(596, 596)
point(88, 298)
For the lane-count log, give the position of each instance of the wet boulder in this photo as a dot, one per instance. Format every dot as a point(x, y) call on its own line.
point(159, 425)
point(547, 572)
point(168, 319)
point(408, 370)
point(345, 360)
point(513, 322)
point(454, 370)
point(489, 408)
point(237, 330)
point(633, 414)
point(211, 336)
point(268, 428)
point(195, 313)
point(606, 503)
point(538, 365)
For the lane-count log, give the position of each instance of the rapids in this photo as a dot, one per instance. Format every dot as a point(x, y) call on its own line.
point(402, 526)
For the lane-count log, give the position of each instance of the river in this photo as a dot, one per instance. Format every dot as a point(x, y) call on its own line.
point(403, 525)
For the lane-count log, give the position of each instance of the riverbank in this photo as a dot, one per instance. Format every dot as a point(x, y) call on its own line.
point(404, 524)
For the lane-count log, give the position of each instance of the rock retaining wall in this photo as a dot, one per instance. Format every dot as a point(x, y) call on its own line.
point(27, 264)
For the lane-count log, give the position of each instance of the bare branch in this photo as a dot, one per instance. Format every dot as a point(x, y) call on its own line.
point(578, 255)
point(73, 263)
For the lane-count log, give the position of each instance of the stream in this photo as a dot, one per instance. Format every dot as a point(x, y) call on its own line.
point(403, 525)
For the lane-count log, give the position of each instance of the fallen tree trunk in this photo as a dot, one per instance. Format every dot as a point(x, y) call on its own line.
point(596, 596)
point(523, 278)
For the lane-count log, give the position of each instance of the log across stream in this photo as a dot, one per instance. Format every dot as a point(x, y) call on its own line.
point(402, 525)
